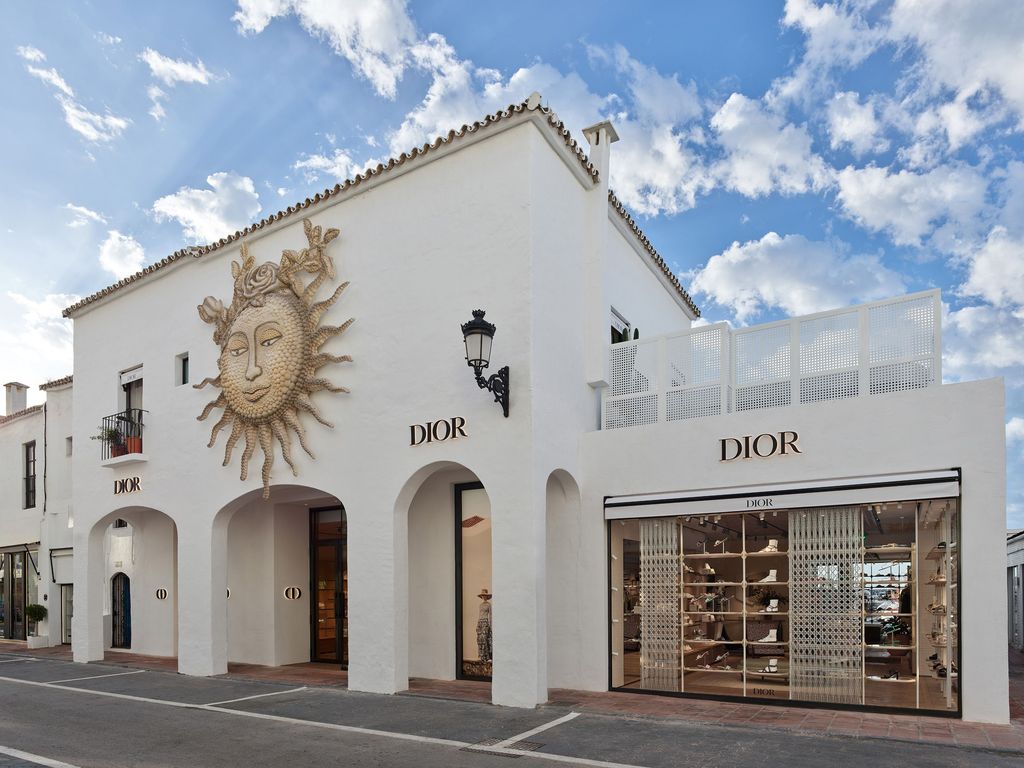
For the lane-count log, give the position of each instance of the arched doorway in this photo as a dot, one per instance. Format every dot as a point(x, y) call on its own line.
point(121, 611)
point(286, 568)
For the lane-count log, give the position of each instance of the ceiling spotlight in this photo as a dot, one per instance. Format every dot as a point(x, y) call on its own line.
point(760, 516)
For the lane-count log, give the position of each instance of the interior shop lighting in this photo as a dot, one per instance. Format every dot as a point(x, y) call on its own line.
point(478, 335)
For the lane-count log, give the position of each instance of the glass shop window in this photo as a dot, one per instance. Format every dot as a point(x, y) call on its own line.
point(29, 475)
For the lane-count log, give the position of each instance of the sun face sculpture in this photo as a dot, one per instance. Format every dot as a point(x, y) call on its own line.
point(270, 338)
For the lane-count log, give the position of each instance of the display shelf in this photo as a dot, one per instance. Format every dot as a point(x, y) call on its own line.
point(766, 642)
point(780, 553)
point(901, 550)
point(877, 646)
point(766, 614)
point(766, 583)
point(710, 555)
point(716, 613)
point(938, 554)
point(712, 583)
point(888, 615)
point(712, 669)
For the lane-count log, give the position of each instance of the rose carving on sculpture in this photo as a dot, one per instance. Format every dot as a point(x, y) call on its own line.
point(270, 338)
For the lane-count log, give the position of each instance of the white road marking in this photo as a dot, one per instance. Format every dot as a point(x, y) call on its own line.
point(97, 677)
point(257, 696)
point(8, 661)
point(39, 759)
point(533, 731)
point(332, 727)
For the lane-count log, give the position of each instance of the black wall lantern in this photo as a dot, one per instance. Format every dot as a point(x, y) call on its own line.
point(479, 334)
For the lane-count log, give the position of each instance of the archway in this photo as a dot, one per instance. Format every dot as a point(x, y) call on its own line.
point(445, 511)
point(130, 592)
point(565, 637)
point(286, 596)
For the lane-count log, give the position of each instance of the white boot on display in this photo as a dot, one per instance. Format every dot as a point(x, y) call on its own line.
point(772, 607)
point(772, 576)
point(773, 546)
point(771, 637)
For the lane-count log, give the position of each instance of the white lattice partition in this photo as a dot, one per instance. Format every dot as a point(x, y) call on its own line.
point(660, 659)
point(762, 367)
point(826, 635)
point(632, 395)
point(903, 344)
point(829, 357)
point(696, 368)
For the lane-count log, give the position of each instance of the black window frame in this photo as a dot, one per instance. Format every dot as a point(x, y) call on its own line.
point(29, 474)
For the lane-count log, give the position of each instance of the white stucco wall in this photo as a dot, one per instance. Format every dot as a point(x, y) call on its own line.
point(19, 525)
point(956, 425)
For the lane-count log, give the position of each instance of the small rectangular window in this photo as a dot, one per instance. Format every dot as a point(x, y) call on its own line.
point(181, 369)
point(67, 446)
point(29, 494)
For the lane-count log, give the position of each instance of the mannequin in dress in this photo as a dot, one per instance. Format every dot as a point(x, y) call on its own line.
point(483, 627)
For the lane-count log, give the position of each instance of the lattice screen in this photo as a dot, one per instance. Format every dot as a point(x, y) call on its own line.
point(901, 345)
point(695, 368)
point(660, 659)
point(632, 393)
point(830, 357)
point(763, 367)
point(826, 655)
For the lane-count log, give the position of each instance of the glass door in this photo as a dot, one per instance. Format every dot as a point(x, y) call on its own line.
point(67, 612)
point(330, 587)
point(17, 578)
point(3, 596)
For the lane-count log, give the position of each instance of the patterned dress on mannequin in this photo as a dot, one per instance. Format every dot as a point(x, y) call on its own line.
point(483, 632)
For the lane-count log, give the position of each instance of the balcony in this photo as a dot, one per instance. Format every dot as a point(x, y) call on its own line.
point(885, 346)
point(121, 438)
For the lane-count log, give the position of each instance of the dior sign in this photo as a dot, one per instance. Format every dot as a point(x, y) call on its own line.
point(127, 485)
point(759, 446)
point(437, 431)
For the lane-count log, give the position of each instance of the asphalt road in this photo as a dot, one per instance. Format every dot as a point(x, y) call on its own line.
point(114, 718)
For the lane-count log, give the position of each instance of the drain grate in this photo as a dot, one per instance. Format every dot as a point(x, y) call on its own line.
point(482, 747)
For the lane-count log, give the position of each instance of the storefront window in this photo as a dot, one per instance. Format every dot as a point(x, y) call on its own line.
point(852, 605)
point(475, 641)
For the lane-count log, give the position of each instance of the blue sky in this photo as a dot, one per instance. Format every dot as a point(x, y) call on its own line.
point(785, 157)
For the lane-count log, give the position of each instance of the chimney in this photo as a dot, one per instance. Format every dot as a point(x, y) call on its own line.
point(16, 397)
point(601, 137)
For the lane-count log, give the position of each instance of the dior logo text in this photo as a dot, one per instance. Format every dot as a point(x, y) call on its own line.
point(751, 503)
point(127, 485)
point(437, 431)
point(761, 446)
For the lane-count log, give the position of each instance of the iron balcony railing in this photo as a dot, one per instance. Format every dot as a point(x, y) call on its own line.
point(121, 433)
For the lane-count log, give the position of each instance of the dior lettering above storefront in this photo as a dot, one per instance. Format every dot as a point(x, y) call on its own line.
point(760, 446)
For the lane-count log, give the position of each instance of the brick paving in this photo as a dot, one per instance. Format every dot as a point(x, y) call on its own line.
point(904, 727)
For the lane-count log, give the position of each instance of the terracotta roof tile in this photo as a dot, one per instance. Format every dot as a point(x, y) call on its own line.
point(531, 104)
point(652, 251)
point(56, 383)
point(19, 414)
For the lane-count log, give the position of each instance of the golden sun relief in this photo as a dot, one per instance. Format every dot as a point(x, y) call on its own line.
point(270, 338)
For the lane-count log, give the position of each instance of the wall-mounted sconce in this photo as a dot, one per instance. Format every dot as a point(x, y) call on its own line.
point(479, 334)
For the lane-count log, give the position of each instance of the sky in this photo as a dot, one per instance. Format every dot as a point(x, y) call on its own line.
point(784, 157)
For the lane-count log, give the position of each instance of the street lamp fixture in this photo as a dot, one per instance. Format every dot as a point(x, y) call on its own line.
point(478, 335)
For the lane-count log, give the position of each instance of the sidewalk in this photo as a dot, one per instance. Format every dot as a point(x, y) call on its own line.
point(816, 721)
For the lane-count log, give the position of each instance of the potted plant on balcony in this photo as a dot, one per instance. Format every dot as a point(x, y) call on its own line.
point(133, 432)
point(112, 437)
point(35, 613)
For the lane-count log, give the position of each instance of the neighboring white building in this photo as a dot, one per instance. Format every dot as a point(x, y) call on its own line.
point(1015, 589)
point(35, 513)
point(628, 525)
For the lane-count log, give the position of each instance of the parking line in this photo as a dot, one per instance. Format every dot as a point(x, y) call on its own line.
point(257, 696)
point(97, 677)
point(8, 661)
point(549, 756)
point(534, 731)
point(38, 759)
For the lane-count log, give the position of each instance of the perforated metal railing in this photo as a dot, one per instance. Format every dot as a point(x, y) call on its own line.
point(885, 346)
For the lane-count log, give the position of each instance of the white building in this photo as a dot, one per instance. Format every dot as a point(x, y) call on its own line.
point(35, 534)
point(628, 525)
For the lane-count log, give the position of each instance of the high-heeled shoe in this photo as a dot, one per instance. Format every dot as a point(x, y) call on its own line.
point(708, 570)
point(939, 578)
point(773, 546)
point(772, 668)
point(772, 607)
point(721, 542)
point(721, 657)
point(701, 656)
point(893, 674)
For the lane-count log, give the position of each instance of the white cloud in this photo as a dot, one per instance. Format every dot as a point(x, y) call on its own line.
point(908, 206)
point(90, 125)
point(82, 216)
point(28, 53)
point(657, 99)
point(106, 39)
point(156, 97)
point(983, 341)
point(791, 273)
point(855, 124)
point(996, 270)
point(36, 340)
point(374, 36)
point(206, 215)
point(967, 47)
point(121, 255)
point(338, 166)
point(51, 77)
point(1015, 430)
point(763, 154)
point(170, 71)
point(837, 35)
